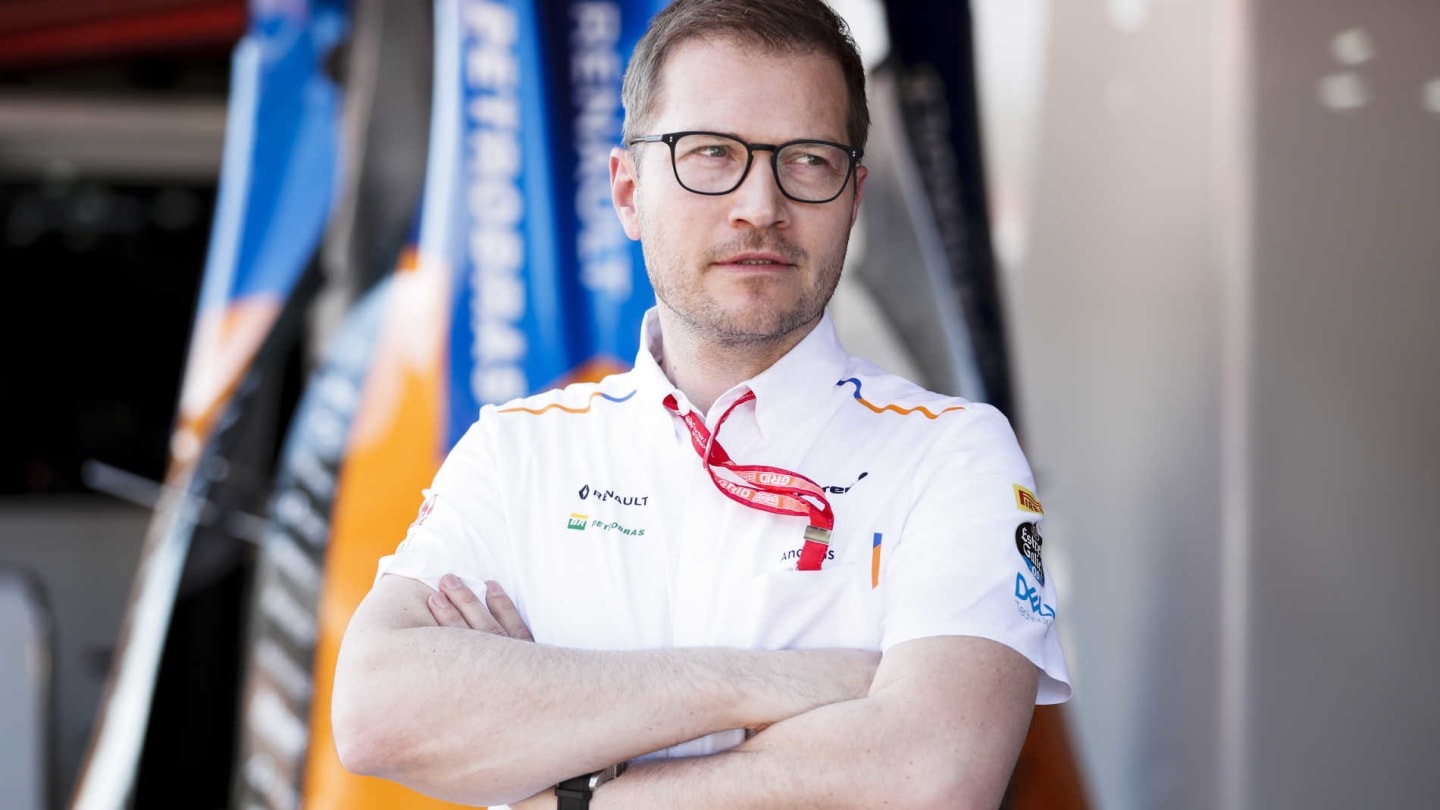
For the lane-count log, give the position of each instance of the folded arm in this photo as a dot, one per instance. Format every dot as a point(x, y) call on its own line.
point(941, 728)
point(490, 717)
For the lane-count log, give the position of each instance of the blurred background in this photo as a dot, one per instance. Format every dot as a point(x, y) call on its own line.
point(263, 268)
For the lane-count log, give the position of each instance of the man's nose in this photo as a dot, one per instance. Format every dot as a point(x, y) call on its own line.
point(758, 201)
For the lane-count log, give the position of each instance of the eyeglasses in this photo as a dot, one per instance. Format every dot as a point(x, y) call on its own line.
point(713, 164)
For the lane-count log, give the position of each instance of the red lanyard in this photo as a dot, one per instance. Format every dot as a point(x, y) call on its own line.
point(770, 489)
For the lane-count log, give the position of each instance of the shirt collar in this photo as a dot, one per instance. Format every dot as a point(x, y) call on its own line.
point(787, 394)
point(651, 381)
point(796, 389)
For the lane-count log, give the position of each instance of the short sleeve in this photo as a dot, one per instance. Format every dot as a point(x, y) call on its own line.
point(970, 557)
point(460, 527)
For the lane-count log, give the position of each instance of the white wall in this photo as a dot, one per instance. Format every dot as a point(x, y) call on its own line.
point(1222, 265)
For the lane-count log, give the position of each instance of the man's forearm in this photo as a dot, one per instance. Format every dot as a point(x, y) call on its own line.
point(831, 757)
point(894, 748)
point(481, 718)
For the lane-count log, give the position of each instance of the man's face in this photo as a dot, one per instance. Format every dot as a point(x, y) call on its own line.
point(751, 266)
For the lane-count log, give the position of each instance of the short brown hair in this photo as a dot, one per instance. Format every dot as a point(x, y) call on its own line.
point(780, 26)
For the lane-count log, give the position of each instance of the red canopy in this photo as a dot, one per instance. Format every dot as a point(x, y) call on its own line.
point(36, 33)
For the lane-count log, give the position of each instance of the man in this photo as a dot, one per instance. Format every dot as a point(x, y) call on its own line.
point(760, 571)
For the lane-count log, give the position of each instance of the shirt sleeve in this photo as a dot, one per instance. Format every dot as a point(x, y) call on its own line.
point(969, 561)
point(461, 526)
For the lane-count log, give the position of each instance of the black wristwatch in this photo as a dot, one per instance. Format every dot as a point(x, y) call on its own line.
point(574, 793)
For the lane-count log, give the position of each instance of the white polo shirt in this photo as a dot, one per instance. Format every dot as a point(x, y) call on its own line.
point(592, 507)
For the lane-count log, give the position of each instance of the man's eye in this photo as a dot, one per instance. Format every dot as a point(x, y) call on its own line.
point(713, 150)
point(809, 160)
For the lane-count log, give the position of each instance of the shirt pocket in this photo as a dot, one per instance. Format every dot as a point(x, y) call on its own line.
point(831, 607)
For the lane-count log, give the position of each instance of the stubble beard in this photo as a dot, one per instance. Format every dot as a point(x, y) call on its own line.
point(762, 317)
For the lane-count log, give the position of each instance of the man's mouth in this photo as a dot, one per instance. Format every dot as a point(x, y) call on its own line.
point(755, 260)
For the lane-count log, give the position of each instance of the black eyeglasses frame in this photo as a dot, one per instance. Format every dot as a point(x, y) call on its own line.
point(670, 138)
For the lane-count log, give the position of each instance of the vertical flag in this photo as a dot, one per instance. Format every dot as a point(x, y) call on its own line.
point(521, 279)
point(607, 288)
point(281, 628)
point(386, 75)
point(932, 55)
point(509, 326)
point(274, 197)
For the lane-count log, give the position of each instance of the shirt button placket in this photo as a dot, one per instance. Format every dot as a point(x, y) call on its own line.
point(696, 547)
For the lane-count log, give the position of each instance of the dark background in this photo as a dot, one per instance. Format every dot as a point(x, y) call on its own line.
point(101, 268)
point(102, 256)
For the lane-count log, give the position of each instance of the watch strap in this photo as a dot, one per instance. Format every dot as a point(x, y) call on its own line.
point(574, 793)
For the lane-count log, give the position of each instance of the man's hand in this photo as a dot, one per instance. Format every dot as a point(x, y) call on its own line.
point(455, 605)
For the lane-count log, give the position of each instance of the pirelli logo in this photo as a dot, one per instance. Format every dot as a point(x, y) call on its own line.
point(1026, 500)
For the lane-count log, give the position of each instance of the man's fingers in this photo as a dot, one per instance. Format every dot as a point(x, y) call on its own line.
point(470, 607)
point(444, 611)
point(502, 607)
point(455, 605)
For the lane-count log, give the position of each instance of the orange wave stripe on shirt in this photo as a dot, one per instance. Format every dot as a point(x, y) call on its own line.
point(556, 405)
point(926, 412)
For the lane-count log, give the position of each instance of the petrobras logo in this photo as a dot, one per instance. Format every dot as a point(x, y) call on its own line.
point(494, 200)
point(1029, 603)
point(580, 523)
point(610, 496)
point(614, 526)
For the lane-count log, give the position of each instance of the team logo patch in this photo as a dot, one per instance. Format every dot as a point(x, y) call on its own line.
point(607, 495)
point(1029, 602)
point(1026, 500)
point(1027, 542)
point(580, 523)
point(425, 509)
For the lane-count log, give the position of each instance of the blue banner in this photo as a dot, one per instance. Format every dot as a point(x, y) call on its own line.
point(588, 44)
point(277, 179)
point(548, 289)
point(281, 139)
point(508, 330)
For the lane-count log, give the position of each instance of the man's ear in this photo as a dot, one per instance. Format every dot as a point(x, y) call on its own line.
point(622, 190)
point(860, 174)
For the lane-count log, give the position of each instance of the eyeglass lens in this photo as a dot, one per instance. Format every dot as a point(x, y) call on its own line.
point(715, 164)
